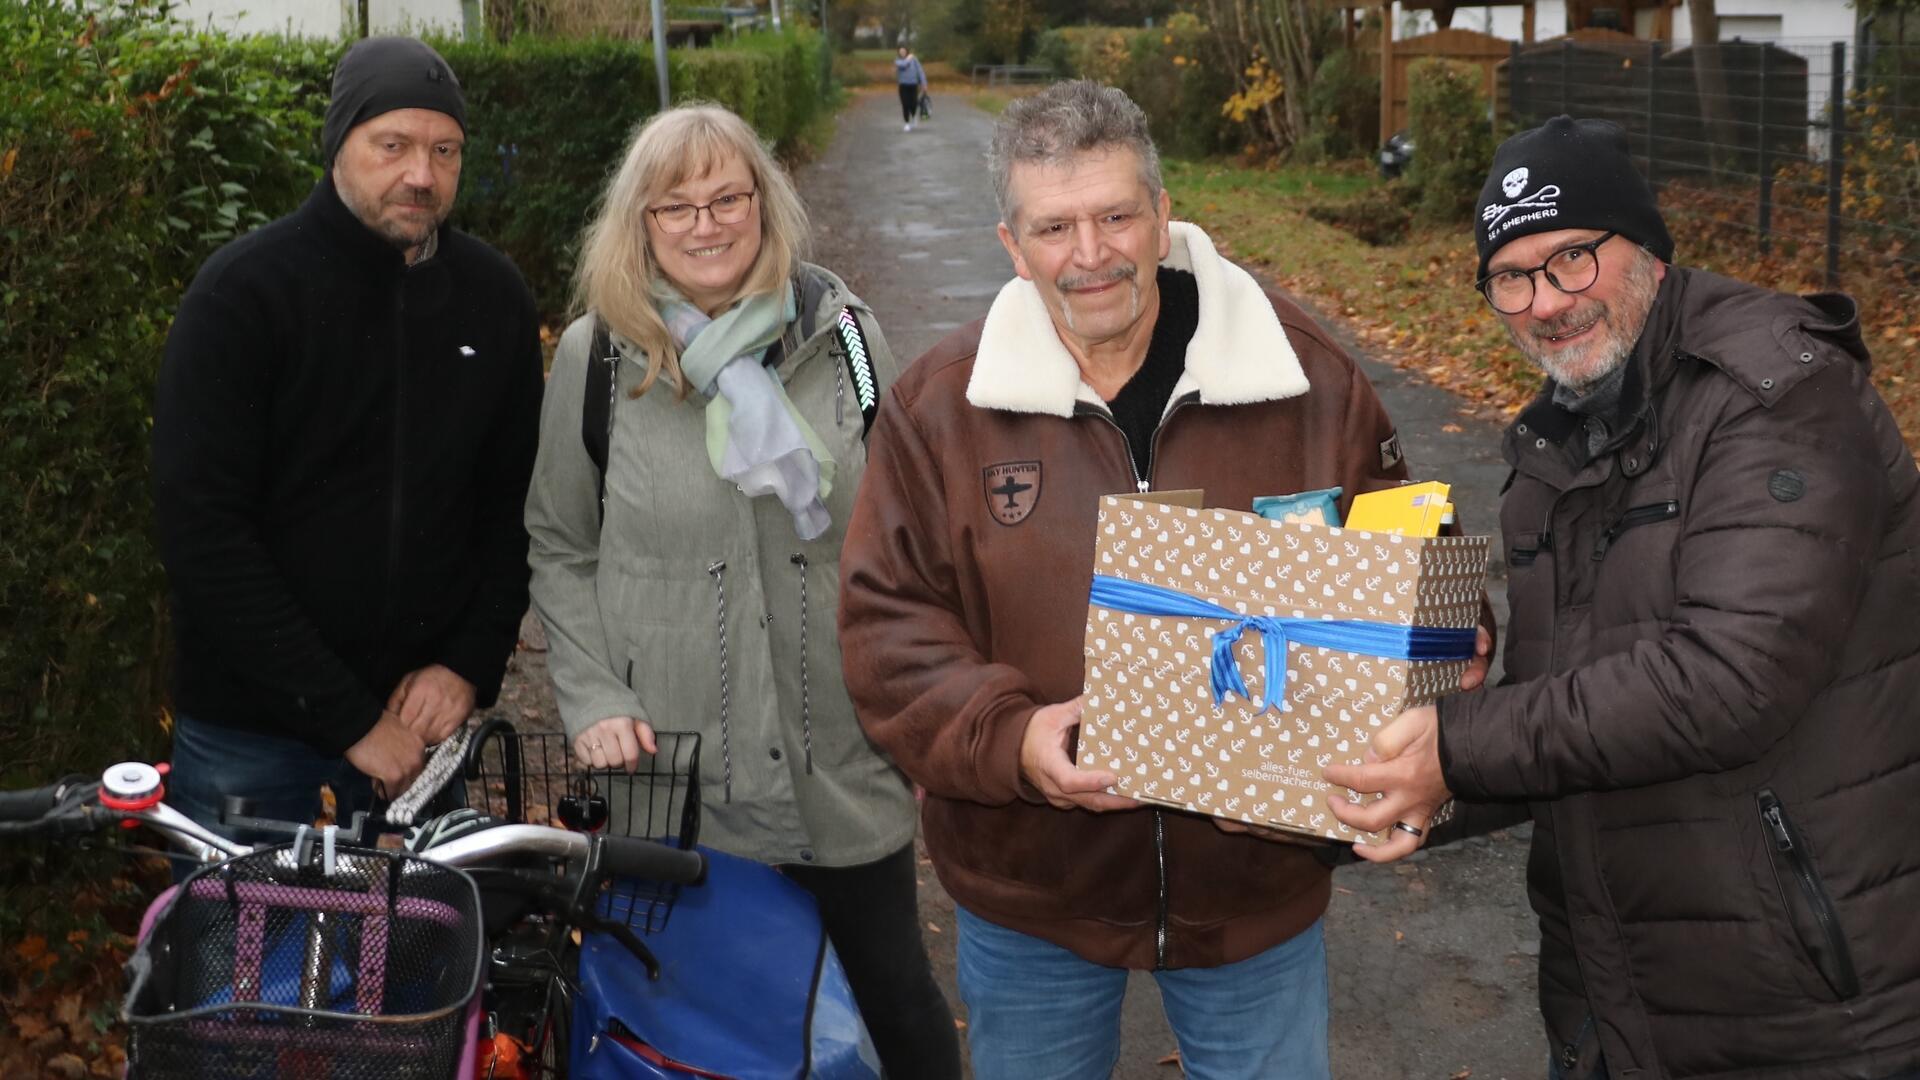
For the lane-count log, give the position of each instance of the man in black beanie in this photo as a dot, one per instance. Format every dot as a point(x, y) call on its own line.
point(343, 432)
point(1714, 552)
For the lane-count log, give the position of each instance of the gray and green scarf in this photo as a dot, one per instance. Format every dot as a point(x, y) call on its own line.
point(755, 437)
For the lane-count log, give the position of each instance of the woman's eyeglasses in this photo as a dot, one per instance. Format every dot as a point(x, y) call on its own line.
point(681, 217)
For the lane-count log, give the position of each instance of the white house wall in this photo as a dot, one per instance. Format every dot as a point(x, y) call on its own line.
point(1801, 22)
point(323, 18)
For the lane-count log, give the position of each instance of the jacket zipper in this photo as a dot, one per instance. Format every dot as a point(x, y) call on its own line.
point(395, 530)
point(1160, 908)
point(1139, 482)
point(1792, 848)
point(1633, 519)
point(1142, 484)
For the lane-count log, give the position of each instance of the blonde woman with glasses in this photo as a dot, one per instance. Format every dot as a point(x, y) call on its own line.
point(703, 434)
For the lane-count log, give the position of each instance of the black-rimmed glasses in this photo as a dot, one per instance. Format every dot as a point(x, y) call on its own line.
point(1572, 269)
point(680, 217)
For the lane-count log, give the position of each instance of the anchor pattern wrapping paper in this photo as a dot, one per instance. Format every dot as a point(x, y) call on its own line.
point(1150, 714)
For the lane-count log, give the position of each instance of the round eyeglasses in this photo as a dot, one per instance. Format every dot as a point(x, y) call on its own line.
point(1572, 269)
point(680, 217)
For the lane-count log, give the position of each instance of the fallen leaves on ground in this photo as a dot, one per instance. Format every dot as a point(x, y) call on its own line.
point(1412, 304)
point(61, 980)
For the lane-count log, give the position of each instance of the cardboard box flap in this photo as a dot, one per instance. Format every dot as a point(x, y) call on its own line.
point(1293, 569)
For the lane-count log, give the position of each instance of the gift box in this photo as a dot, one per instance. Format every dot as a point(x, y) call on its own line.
point(1196, 613)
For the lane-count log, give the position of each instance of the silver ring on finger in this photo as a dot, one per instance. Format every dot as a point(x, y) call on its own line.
point(1410, 830)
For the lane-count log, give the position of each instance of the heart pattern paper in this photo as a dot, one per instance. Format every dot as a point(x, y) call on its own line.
point(1150, 716)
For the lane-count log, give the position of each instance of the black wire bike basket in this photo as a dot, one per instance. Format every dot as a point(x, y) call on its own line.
point(533, 777)
point(269, 966)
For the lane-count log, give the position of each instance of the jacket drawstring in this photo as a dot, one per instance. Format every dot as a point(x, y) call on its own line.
point(839, 391)
point(799, 559)
point(726, 748)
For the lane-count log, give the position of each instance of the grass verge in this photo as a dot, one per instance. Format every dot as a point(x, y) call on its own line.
point(1411, 303)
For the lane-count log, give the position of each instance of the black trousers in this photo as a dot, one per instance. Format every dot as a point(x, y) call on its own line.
point(909, 100)
point(872, 916)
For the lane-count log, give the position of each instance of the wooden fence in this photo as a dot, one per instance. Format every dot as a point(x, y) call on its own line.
point(1468, 46)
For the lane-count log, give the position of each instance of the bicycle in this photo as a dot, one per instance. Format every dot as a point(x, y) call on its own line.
point(770, 1003)
point(564, 912)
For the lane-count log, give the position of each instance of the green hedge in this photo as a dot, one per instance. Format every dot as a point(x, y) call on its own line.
point(1167, 71)
point(1452, 138)
point(129, 151)
point(1343, 109)
point(549, 119)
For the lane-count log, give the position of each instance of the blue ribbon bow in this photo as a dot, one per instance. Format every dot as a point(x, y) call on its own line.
point(1346, 635)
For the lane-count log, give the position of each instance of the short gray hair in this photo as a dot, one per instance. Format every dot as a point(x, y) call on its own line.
point(1062, 122)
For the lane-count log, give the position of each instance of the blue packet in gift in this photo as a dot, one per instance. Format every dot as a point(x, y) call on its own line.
point(1320, 507)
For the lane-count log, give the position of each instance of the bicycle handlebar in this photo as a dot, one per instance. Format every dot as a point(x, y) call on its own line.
point(55, 809)
point(32, 804)
point(622, 856)
point(625, 856)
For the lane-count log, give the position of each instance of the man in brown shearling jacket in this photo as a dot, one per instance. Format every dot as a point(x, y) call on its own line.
point(1713, 663)
point(1127, 355)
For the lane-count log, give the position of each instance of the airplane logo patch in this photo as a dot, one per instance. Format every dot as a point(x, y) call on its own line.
point(1012, 487)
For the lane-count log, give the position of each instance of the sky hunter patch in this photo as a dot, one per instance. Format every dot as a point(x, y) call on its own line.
point(1390, 451)
point(1013, 487)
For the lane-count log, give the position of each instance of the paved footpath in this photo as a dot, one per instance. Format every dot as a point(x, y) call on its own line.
point(1432, 962)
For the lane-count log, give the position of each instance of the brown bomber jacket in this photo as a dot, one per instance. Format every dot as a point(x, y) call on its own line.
point(963, 604)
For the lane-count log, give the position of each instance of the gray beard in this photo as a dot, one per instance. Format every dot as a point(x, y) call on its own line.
point(1629, 308)
point(1079, 280)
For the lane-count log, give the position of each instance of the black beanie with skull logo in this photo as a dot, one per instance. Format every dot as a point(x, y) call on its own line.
point(1567, 174)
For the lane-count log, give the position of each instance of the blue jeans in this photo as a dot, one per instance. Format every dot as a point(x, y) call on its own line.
point(1035, 1010)
point(282, 777)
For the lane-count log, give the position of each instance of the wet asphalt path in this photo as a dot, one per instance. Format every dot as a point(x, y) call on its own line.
point(1432, 961)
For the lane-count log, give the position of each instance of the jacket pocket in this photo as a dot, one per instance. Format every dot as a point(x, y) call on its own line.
point(1809, 908)
point(1650, 514)
point(1527, 547)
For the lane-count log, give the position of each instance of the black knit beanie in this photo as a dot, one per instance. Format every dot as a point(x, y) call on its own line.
point(381, 74)
point(1567, 174)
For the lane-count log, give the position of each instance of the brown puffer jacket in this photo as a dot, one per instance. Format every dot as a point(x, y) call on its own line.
point(1711, 702)
point(964, 604)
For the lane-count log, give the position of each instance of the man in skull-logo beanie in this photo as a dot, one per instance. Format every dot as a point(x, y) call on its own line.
point(1567, 174)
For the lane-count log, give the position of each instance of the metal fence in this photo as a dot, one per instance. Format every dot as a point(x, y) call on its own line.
point(1809, 147)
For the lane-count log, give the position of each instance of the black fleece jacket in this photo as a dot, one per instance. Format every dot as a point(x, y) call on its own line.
point(341, 451)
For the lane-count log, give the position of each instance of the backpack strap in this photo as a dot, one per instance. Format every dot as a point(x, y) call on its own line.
point(859, 361)
point(851, 340)
point(811, 287)
point(596, 407)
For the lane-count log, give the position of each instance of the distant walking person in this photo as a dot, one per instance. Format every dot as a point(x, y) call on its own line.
point(913, 83)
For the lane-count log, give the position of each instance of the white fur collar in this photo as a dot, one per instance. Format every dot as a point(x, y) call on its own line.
point(1239, 353)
